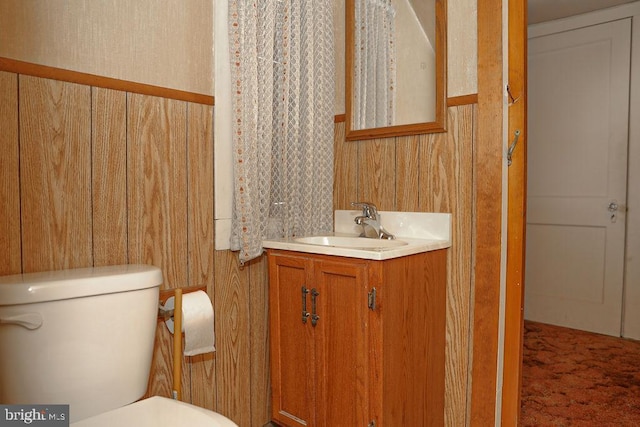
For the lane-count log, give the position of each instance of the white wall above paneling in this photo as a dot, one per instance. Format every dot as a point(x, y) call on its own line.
point(462, 47)
point(168, 43)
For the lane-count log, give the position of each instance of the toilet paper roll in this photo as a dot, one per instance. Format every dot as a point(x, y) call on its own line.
point(197, 322)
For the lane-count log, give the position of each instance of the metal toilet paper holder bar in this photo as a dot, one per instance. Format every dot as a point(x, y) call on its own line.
point(175, 313)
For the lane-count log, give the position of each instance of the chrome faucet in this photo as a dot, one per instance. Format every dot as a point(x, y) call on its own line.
point(370, 222)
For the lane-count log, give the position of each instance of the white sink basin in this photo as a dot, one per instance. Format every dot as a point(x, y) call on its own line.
point(415, 232)
point(350, 242)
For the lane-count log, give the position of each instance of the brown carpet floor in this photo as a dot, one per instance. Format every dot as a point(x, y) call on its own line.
point(576, 378)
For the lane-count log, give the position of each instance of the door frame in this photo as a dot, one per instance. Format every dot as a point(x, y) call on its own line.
point(488, 148)
point(495, 399)
point(488, 169)
point(516, 214)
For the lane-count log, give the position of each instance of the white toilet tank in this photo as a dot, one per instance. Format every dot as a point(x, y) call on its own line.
point(82, 337)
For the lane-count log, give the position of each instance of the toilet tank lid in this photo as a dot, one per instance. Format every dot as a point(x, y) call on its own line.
point(43, 286)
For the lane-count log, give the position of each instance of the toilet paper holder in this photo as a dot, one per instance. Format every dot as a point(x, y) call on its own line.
point(165, 313)
point(168, 314)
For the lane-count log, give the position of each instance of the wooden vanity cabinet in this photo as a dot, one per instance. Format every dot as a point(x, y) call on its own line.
point(357, 342)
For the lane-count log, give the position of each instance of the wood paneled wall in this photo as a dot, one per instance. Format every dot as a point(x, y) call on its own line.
point(94, 176)
point(10, 240)
point(425, 173)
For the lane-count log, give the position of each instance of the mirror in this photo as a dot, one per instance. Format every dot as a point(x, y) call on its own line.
point(395, 67)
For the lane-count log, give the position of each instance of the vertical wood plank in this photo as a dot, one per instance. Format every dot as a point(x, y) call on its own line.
point(109, 176)
point(157, 208)
point(377, 173)
point(200, 236)
point(408, 173)
point(516, 220)
point(437, 177)
point(487, 232)
point(55, 157)
point(157, 200)
point(447, 187)
point(259, 341)
point(10, 239)
point(200, 195)
point(233, 360)
point(345, 182)
point(160, 377)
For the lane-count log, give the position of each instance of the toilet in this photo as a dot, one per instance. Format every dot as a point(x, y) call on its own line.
point(84, 337)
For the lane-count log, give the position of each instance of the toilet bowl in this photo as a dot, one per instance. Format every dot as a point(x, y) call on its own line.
point(157, 411)
point(84, 337)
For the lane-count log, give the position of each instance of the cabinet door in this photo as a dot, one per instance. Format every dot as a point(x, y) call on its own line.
point(292, 347)
point(341, 345)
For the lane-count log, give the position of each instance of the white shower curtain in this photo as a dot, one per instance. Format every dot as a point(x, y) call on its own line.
point(282, 66)
point(374, 64)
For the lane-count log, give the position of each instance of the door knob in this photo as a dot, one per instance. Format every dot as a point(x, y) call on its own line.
point(613, 208)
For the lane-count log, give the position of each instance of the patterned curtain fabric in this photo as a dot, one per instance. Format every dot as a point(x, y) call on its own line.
point(282, 65)
point(374, 64)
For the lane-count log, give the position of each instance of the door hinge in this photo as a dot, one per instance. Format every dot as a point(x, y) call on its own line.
point(372, 299)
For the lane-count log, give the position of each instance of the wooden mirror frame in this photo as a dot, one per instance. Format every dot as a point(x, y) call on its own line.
point(441, 81)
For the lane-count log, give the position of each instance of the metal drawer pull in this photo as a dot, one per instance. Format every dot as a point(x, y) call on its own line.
point(314, 315)
point(305, 313)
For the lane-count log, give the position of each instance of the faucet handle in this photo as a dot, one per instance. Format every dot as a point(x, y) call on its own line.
point(368, 209)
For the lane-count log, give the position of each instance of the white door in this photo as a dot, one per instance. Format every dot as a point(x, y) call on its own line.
point(577, 170)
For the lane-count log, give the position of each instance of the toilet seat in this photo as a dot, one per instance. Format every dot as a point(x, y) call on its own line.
point(157, 411)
